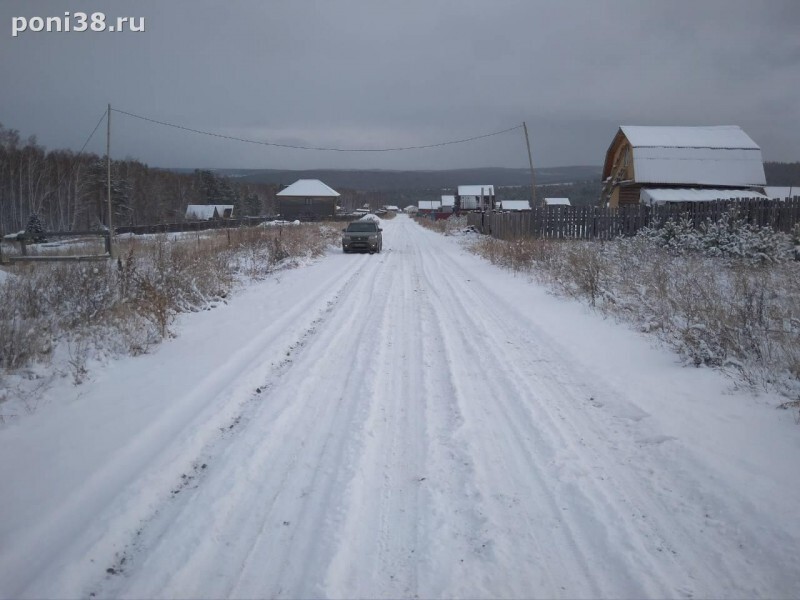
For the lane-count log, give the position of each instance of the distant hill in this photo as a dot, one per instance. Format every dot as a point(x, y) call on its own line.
point(385, 180)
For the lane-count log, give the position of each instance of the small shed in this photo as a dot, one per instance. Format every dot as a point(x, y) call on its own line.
point(307, 200)
point(557, 202)
point(208, 212)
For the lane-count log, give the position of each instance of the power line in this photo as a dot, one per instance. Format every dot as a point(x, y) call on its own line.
point(71, 169)
point(326, 149)
point(86, 143)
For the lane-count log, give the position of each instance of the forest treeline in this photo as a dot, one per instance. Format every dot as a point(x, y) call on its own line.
point(68, 190)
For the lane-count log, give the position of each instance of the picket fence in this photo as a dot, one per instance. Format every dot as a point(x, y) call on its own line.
point(588, 222)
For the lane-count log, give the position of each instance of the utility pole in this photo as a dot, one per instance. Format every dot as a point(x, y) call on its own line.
point(530, 162)
point(108, 162)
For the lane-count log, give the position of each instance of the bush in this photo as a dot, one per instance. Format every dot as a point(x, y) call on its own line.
point(718, 301)
point(126, 307)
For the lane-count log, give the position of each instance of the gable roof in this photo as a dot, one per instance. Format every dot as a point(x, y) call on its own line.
point(308, 188)
point(722, 155)
point(475, 190)
point(722, 137)
point(448, 200)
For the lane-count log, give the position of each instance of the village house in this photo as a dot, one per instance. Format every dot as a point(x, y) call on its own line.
point(448, 204)
point(475, 197)
point(425, 207)
point(679, 164)
point(208, 212)
point(557, 202)
point(307, 200)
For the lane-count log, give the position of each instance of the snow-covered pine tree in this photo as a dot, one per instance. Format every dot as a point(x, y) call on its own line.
point(35, 229)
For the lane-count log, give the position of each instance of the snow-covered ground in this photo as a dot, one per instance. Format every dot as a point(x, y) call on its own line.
point(412, 423)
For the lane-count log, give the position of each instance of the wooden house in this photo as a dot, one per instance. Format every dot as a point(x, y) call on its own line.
point(721, 158)
point(307, 200)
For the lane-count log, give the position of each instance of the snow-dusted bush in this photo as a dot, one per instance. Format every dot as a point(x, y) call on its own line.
point(716, 304)
point(730, 236)
point(128, 305)
point(448, 226)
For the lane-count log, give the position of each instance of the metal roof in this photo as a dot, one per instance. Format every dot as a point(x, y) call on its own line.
point(719, 137)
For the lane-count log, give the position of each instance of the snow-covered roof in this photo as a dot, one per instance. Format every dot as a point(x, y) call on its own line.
point(662, 195)
point(723, 137)
point(448, 200)
point(723, 155)
point(203, 212)
point(429, 204)
point(514, 205)
point(308, 188)
point(475, 190)
point(392, 207)
point(557, 201)
point(782, 192)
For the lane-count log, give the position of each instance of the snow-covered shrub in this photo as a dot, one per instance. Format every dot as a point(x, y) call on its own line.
point(449, 226)
point(127, 306)
point(728, 237)
point(729, 309)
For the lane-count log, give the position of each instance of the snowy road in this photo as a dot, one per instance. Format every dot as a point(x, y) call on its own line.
point(410, 424)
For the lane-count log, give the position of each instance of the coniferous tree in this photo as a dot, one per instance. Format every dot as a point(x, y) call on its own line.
point(35, 229)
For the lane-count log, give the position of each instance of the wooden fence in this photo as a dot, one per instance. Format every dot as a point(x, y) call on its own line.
point(588, 222)
point(25, 239)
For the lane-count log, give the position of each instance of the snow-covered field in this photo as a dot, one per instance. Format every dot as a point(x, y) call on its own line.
point(413, 423)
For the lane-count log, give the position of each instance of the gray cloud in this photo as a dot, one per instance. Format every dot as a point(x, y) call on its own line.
point(379, 74)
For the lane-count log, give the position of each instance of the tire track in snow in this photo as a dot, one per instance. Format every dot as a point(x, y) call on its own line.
point(150, 467)
point(556, 409)
point(274, 483)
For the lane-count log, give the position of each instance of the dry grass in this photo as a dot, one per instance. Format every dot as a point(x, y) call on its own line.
point(128, 305)
point(444, 226)
point(739, 315)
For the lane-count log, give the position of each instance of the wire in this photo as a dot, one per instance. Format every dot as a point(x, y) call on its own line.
point(73, 163)
point(326, 149)
point(86, 143)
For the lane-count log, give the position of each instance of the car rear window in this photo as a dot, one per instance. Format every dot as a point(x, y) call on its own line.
point(362, 227)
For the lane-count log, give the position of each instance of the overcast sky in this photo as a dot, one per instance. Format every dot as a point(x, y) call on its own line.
point(376, 74)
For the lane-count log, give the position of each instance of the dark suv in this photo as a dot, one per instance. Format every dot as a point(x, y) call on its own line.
point(362, 236)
